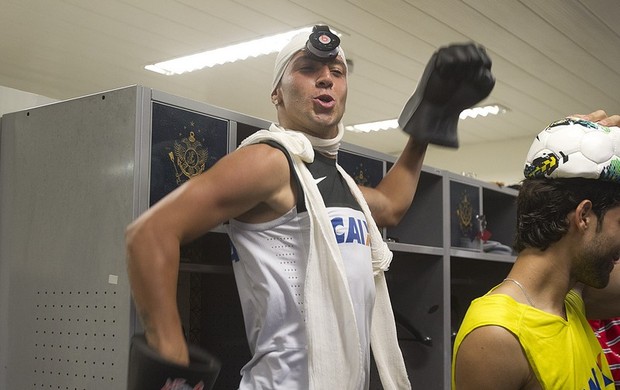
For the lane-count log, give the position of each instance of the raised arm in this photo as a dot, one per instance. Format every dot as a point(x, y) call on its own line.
point(455, 78)
point(255, 177)
point(390, 200)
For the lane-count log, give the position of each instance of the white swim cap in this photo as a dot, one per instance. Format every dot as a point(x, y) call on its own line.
point(297, 43)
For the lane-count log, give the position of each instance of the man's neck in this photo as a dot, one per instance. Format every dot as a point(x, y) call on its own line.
point(546, 276)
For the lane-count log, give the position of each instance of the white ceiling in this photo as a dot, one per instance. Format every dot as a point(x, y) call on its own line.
point(550, 57)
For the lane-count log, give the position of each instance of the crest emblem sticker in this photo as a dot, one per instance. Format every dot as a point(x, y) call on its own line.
point(189, 158)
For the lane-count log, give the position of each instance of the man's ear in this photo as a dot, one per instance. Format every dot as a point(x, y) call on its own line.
point(583, 214)
point(275, 96)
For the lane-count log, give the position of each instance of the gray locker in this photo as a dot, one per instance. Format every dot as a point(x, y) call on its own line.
point(73, 175)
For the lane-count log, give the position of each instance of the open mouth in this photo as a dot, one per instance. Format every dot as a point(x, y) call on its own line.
point(325, 100)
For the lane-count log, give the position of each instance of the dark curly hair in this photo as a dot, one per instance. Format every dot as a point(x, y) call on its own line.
point(543, 206)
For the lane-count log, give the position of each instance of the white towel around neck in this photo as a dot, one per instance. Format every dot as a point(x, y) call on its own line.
point(335, 358)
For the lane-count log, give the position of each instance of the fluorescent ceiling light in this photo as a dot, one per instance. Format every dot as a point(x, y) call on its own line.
point(473, 112)
point(373, 126)
point(241, 51)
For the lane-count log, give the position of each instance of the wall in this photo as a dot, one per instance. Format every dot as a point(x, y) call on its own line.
point(12, 100)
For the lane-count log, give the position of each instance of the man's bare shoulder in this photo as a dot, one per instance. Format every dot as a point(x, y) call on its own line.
point(259, 176)
point(254, 163)
point(254, 179)
point(491, 357)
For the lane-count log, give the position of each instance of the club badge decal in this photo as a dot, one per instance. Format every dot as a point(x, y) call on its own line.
point(189, 158)
point(361, 176)
point(465, 213)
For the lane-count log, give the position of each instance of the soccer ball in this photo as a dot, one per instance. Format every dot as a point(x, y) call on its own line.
point(575, 148)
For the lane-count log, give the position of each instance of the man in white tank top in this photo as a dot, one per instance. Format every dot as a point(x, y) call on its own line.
point(274, 255)
point(258, 191)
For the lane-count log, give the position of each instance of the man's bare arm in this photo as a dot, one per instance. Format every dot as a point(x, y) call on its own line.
point(391, 199)
point(491, 358)
point(252, 176)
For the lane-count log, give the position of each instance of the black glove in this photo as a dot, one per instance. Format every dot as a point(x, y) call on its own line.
point(149, 371)
point(456, 77)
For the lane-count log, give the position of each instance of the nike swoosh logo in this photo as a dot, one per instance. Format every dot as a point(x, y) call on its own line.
point(320, 179)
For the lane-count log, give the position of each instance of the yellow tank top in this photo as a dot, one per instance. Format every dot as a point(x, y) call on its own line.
point(564, 355)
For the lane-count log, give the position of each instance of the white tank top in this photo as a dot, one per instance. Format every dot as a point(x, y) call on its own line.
point(269, 261)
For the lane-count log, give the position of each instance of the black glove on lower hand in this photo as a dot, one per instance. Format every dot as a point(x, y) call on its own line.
point(456, 77)
point(149, 371)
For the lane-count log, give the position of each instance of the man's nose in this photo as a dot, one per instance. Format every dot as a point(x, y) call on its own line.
point(324, 78)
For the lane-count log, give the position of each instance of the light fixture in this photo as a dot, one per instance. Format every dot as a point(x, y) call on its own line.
point(240, 51)
point(494, 109)
point(373, 126)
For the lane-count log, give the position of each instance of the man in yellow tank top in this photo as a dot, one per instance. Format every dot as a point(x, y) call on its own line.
point(531, 331)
